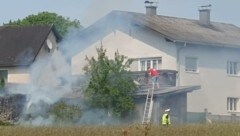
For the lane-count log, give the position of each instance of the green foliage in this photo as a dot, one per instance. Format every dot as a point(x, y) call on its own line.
point(111, 85)
point(4, 123)
point(63, 112)
point(61, 23)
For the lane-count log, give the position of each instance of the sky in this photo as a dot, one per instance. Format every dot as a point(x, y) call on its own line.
point(89, 11)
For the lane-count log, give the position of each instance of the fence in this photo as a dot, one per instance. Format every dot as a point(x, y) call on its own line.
point(207, 117)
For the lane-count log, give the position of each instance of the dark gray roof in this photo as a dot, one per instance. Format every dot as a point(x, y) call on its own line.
point(19, 45)
point(169, 90)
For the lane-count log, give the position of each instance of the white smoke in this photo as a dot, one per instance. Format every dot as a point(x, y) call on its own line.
point(51, 80)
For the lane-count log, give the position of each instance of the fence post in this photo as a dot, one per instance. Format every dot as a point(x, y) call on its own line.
point(206, 116)
point(233, 118)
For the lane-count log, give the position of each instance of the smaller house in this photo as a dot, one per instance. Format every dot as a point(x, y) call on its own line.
point(21, 47)
point(25, 53)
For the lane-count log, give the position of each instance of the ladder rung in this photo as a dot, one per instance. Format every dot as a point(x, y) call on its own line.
point(147, 113)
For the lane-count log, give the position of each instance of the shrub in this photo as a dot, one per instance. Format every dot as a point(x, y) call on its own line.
point(64, 112)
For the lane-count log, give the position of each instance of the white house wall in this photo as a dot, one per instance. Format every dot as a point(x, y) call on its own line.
point(156, 40)
point(130, 46)
point(49, 67)
point(17, 75)
point(216, 85)
point(43, 51)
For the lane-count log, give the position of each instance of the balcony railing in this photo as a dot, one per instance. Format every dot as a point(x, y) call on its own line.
point(167, 78)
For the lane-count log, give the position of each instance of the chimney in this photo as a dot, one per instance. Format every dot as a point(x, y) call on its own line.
point(204, 15)
point(150, 8)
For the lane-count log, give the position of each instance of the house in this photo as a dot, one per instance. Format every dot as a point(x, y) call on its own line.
point(32, 68)
point(21, 47)
point(202, 52)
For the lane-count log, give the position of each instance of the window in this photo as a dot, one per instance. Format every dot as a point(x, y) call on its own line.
point(154, 63)
point(191, 64)
point(233, 68)
point(143, 65)
point(232, 104)
point(3, 77)
point(4, 74)
point(148, 64)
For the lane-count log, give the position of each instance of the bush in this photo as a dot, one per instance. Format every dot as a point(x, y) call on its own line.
point(64, 112)
point(4, 123)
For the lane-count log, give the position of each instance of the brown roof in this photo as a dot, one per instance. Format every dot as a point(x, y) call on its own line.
point(191, 31)
point(174, 29)
point(19, 45)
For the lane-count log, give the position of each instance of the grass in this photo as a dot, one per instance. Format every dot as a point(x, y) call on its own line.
point(134, 130)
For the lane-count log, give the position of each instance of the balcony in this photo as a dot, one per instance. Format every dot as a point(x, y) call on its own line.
point(167, 78)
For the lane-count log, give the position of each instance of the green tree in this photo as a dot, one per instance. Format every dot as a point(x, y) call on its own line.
point(61, 23)
point(110, 86)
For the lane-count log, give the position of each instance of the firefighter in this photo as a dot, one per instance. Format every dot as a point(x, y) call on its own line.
point(166, 118)
point(154, 74)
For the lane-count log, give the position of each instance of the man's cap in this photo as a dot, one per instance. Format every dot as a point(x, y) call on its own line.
point(167, 110)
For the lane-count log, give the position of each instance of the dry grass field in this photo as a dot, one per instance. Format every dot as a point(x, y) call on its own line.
point(134, 130)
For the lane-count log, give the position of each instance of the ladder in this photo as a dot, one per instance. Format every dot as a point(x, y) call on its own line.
point(148, 107)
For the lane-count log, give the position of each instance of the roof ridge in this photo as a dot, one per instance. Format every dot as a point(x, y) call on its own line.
point(165, 16)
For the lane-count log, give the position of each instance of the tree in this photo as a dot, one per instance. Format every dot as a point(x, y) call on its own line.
point(110, 86)
point(61, 23)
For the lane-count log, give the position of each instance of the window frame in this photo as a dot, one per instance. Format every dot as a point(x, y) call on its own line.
point(192, 70)
point(5, 77)
point(233, 68)
point(148, 62)
point(233, 104)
